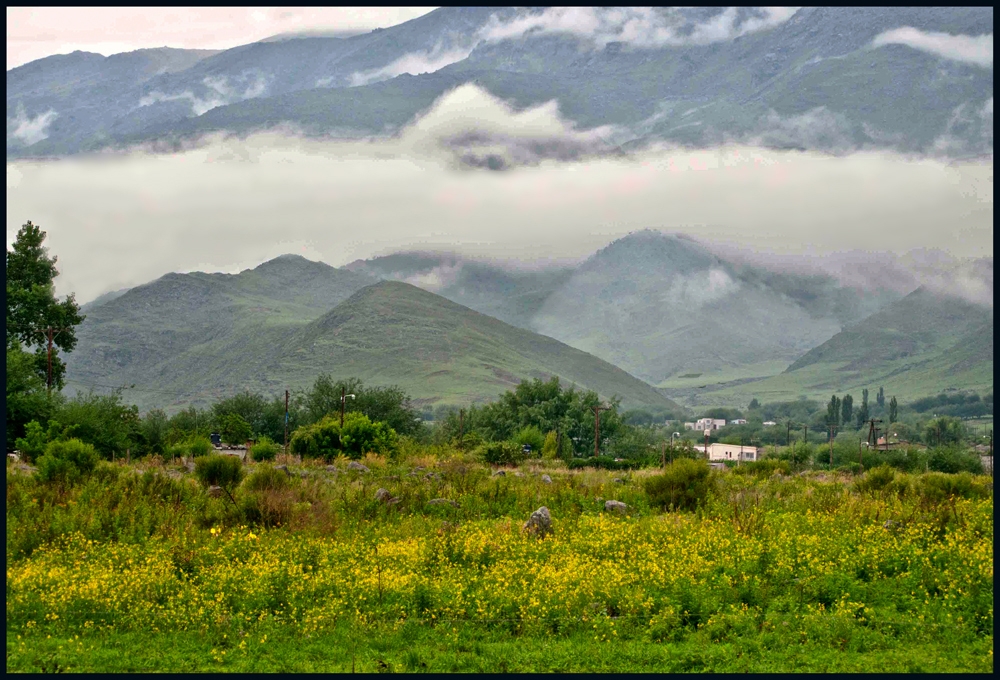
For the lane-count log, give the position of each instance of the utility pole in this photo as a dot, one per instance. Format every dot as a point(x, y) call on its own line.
point(286, 422)
point(805, 434)
point(831, 446)
point(597, 428)
point(788, 434)
point(663, 454)
point(461, 426)
point(343, 404)
point(707, 457)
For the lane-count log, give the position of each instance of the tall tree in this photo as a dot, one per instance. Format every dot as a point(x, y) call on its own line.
point(863, 411)
point(893, 410)
point(880, 398)
point(847, 409)
point(32, 306)
point(833, 412)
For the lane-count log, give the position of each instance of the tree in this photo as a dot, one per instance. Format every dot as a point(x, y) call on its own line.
point(754, 404)
point(32, 306)
point(234, 430)
point(27, 398)
point(390, 405)
point(893, 410)
point(863, 411)
point(880, 398)
point(847, 409)
point(944, 430)
point(833, 412)
point(103, 420)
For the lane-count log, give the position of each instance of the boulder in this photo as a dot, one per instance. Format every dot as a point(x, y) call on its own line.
point(442, 501)
point(386, 497)
point(215, 491)
point(540, 522)
point(499, 473)
point(546, 479)
point(618, 480)
point(432, 475)
point(331, 469)
point(355, 465)
point(615, 506)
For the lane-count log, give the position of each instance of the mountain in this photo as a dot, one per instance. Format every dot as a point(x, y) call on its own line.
point(662, 307)
point(396, 333)
point(919, 346)
point(694, 76)
point(192, 338)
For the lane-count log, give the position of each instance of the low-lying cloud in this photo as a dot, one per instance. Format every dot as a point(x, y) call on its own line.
point(219, 93)
point(30, 130)
point(229, 204)
point(970, 49)
point(414, 63)
point(642, 27)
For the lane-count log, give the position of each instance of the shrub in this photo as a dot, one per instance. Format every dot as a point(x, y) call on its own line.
point(876, 479)
point(684, 484)
point(67, 461)
point(954, 460)
point(219, 470)
point(501, 453)
point(175, 451)
point(265, 449)
point(266, 478)
point(763, 468)
point(33, 444)
point(359, 435)
point(533, 437)
point(199, 446)
point(937, 487)
point(609, 463)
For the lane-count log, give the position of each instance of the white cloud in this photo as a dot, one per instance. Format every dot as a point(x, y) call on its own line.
point(636, 26)
point(124, 219)
point(31, 130)
point(220, 93)
point(970, 49)
point(413, 63)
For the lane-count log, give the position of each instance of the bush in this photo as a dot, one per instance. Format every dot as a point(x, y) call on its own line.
point(551, 449)
point(684, 485)
point(265, 449)
point(954, 460)
point(876, 479)
point(937, 487)
point(501, 453)
point(533, 437)
point(266, 478)
point(762, 468)
point(234, 429)
point(67, 461)
point(219, 470)
point(609, 463)
point(33, 444)
point(199, 446)
point(359, 435)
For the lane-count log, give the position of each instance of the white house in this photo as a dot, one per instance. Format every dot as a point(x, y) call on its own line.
point(689, 426)
point(709, 424)
point(738, 421)
point(769, 423)
point(720, 452)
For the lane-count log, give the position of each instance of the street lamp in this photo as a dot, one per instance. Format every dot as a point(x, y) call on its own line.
point(343, 403)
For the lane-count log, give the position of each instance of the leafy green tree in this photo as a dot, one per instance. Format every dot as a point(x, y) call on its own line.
point(880, 398)
point(153, 430)
point(33, 444)
point(188, 423)
point(847, 410)
point(531, 436)
point(359, 435)
point(944, 431)
point(265, 450)
point(234, 429)
point(893, 410)
point(833, 411)
point(863, 411)
point(32, 306)
point(390, 405)
point(27, 398)
point(103, 420)
point(754, 404)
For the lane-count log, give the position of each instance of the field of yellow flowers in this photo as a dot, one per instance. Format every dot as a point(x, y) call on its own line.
point(138, 568)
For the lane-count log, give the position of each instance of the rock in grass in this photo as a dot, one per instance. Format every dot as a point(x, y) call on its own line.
point(618, 480)
point(283, 468)
point(215, 491)
point(432, 475)
point(332, 469)
point(355, 465)
point(442, 501)
point(499, 473)
point(546, 479)
point(540, 522)
point(386, 497)
point(615, 506)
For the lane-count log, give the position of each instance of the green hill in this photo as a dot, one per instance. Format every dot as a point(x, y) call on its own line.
point(396, 333)
point(192, 338)
point(919, 346)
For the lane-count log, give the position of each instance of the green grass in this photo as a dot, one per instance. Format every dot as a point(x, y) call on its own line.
point(818, 571)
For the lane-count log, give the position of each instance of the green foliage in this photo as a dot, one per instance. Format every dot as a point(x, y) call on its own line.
point(32, 306)
point(153, 431)
point(684, 485)
point(960, 404)
point(876, 480)
point(326, 439)
point(533, 437)
point(893, 410)
point(552, 449)
point(27, 398)
point(219, 470)
point(265, 449)
point(937, 487)
point(266, 478)
point(763, 468)
point(953, 459)
point(833, 412)
point(67, 461)
point(235, 430)
point(33, 444)
point(199, 446)
point(187, 423)
point(863, 414)
point(943, 431)
point(847, 410)
point(390, 405)
point(105, 421)
point(500, 453)
point(609, 463)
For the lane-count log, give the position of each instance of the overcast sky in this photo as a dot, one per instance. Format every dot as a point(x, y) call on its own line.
point(36, 32)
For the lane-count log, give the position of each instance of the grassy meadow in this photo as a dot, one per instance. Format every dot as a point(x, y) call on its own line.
point(139, 567)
